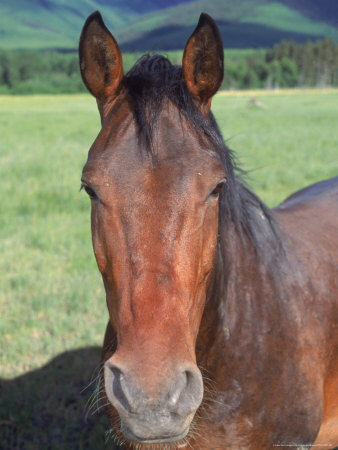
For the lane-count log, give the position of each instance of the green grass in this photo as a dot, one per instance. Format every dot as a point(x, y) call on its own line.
point(288, 143)
point(47, 268)
point(51, 301)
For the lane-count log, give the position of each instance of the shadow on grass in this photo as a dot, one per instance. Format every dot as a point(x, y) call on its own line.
point(46, 408)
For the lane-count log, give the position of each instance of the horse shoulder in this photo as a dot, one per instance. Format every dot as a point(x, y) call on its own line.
point(308, 222)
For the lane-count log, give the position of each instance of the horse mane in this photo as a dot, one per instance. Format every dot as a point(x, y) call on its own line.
point(152, 81)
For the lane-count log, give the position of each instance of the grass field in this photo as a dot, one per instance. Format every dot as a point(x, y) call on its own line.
point(52, 306)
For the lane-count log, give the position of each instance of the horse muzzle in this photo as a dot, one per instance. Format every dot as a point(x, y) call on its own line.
point(151, 414)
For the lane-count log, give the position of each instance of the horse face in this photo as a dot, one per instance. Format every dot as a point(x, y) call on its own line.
point(154, 229)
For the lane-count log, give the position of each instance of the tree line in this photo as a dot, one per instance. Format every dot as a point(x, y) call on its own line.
point(287, 64)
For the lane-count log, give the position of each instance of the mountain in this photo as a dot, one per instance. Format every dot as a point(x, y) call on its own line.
point(243, 24)
point(151, 25)
point(323, 10)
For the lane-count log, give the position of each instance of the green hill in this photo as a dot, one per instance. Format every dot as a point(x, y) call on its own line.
point(52, 23)
point(151, 25)
point(245, 23)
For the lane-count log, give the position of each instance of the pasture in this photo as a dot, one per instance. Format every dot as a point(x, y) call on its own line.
point(52, 306)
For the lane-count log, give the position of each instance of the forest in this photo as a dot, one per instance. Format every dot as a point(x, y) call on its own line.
point(286, 65)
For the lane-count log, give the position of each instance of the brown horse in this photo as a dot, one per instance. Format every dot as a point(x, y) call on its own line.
point(200, 277)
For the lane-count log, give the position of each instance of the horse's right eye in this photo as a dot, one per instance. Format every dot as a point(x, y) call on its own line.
point(218, 189)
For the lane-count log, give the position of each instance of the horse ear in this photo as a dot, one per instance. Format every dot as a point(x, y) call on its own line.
point(203, 60)
point(100, 58)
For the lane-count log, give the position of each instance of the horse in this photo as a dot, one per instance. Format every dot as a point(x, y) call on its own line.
point(223, 313)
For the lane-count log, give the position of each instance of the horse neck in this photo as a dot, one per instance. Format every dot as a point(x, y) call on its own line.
point(242, 301)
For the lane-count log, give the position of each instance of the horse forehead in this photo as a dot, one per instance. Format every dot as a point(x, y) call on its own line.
point(180, 163)
point(165, 123)
point(178, 151)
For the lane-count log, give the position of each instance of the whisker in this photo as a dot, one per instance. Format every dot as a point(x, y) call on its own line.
point(94, 378)
point(99, 408)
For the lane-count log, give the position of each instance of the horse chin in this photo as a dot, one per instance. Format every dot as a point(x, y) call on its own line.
point(132, 442)
point(172, 439)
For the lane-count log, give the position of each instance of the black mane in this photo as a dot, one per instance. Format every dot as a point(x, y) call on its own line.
point(153, 80)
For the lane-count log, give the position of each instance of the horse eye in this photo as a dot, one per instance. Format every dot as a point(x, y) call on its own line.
point(218, 189)
point(90, 192)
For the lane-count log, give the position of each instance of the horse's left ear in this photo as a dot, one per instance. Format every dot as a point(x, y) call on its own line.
point(100, 59)
point(203, 61)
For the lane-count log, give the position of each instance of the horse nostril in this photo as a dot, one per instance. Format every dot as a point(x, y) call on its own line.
point(117, 389)
point(177, 389)
point(186, 394)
